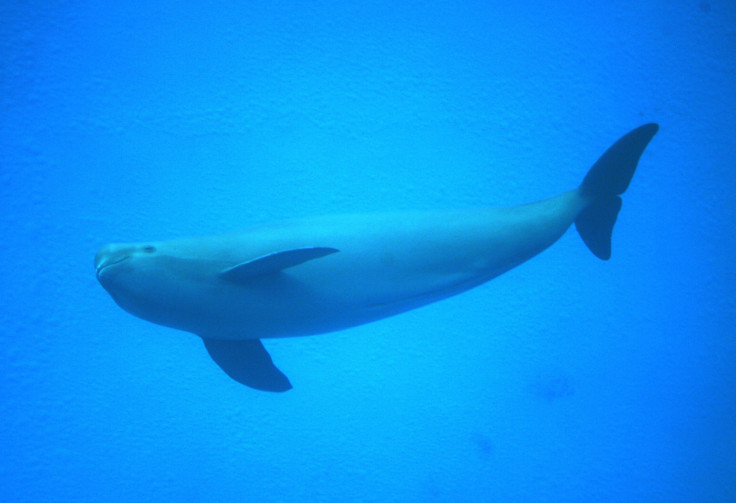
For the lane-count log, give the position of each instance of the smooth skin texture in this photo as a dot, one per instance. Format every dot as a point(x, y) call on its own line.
point(310, 276)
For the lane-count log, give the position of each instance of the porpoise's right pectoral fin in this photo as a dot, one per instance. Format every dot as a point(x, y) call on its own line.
point(248, 362)
point(274, 262)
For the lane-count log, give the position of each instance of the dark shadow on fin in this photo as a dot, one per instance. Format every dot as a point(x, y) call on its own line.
point(248, 362)
point(607, 179)
point(595, 225)
point(612, 172)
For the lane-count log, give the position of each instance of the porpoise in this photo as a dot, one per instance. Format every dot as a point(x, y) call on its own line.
point(315, 275)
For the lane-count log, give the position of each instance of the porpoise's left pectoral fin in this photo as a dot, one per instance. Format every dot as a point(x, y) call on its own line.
point(274, 262)
point(248, 362)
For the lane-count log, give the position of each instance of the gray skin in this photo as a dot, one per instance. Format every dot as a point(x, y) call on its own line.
point(310, 276)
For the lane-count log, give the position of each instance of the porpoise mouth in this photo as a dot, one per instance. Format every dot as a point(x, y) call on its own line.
point(101, 264)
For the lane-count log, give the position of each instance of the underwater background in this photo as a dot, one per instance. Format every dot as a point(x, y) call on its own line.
point(567, 379)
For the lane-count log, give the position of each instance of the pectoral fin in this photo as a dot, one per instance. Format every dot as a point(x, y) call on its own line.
point(247, 362)
point(274, 262)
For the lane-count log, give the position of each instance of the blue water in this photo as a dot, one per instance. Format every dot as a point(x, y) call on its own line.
point(567, 379)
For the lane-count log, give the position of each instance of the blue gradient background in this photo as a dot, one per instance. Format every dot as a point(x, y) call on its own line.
point(567, 379)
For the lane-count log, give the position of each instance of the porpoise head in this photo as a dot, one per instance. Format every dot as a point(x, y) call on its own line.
point(146, 281)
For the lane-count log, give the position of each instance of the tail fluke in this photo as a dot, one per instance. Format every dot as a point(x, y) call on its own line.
point(607, 179)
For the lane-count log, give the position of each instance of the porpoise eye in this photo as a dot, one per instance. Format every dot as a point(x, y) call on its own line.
point(149, 249)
